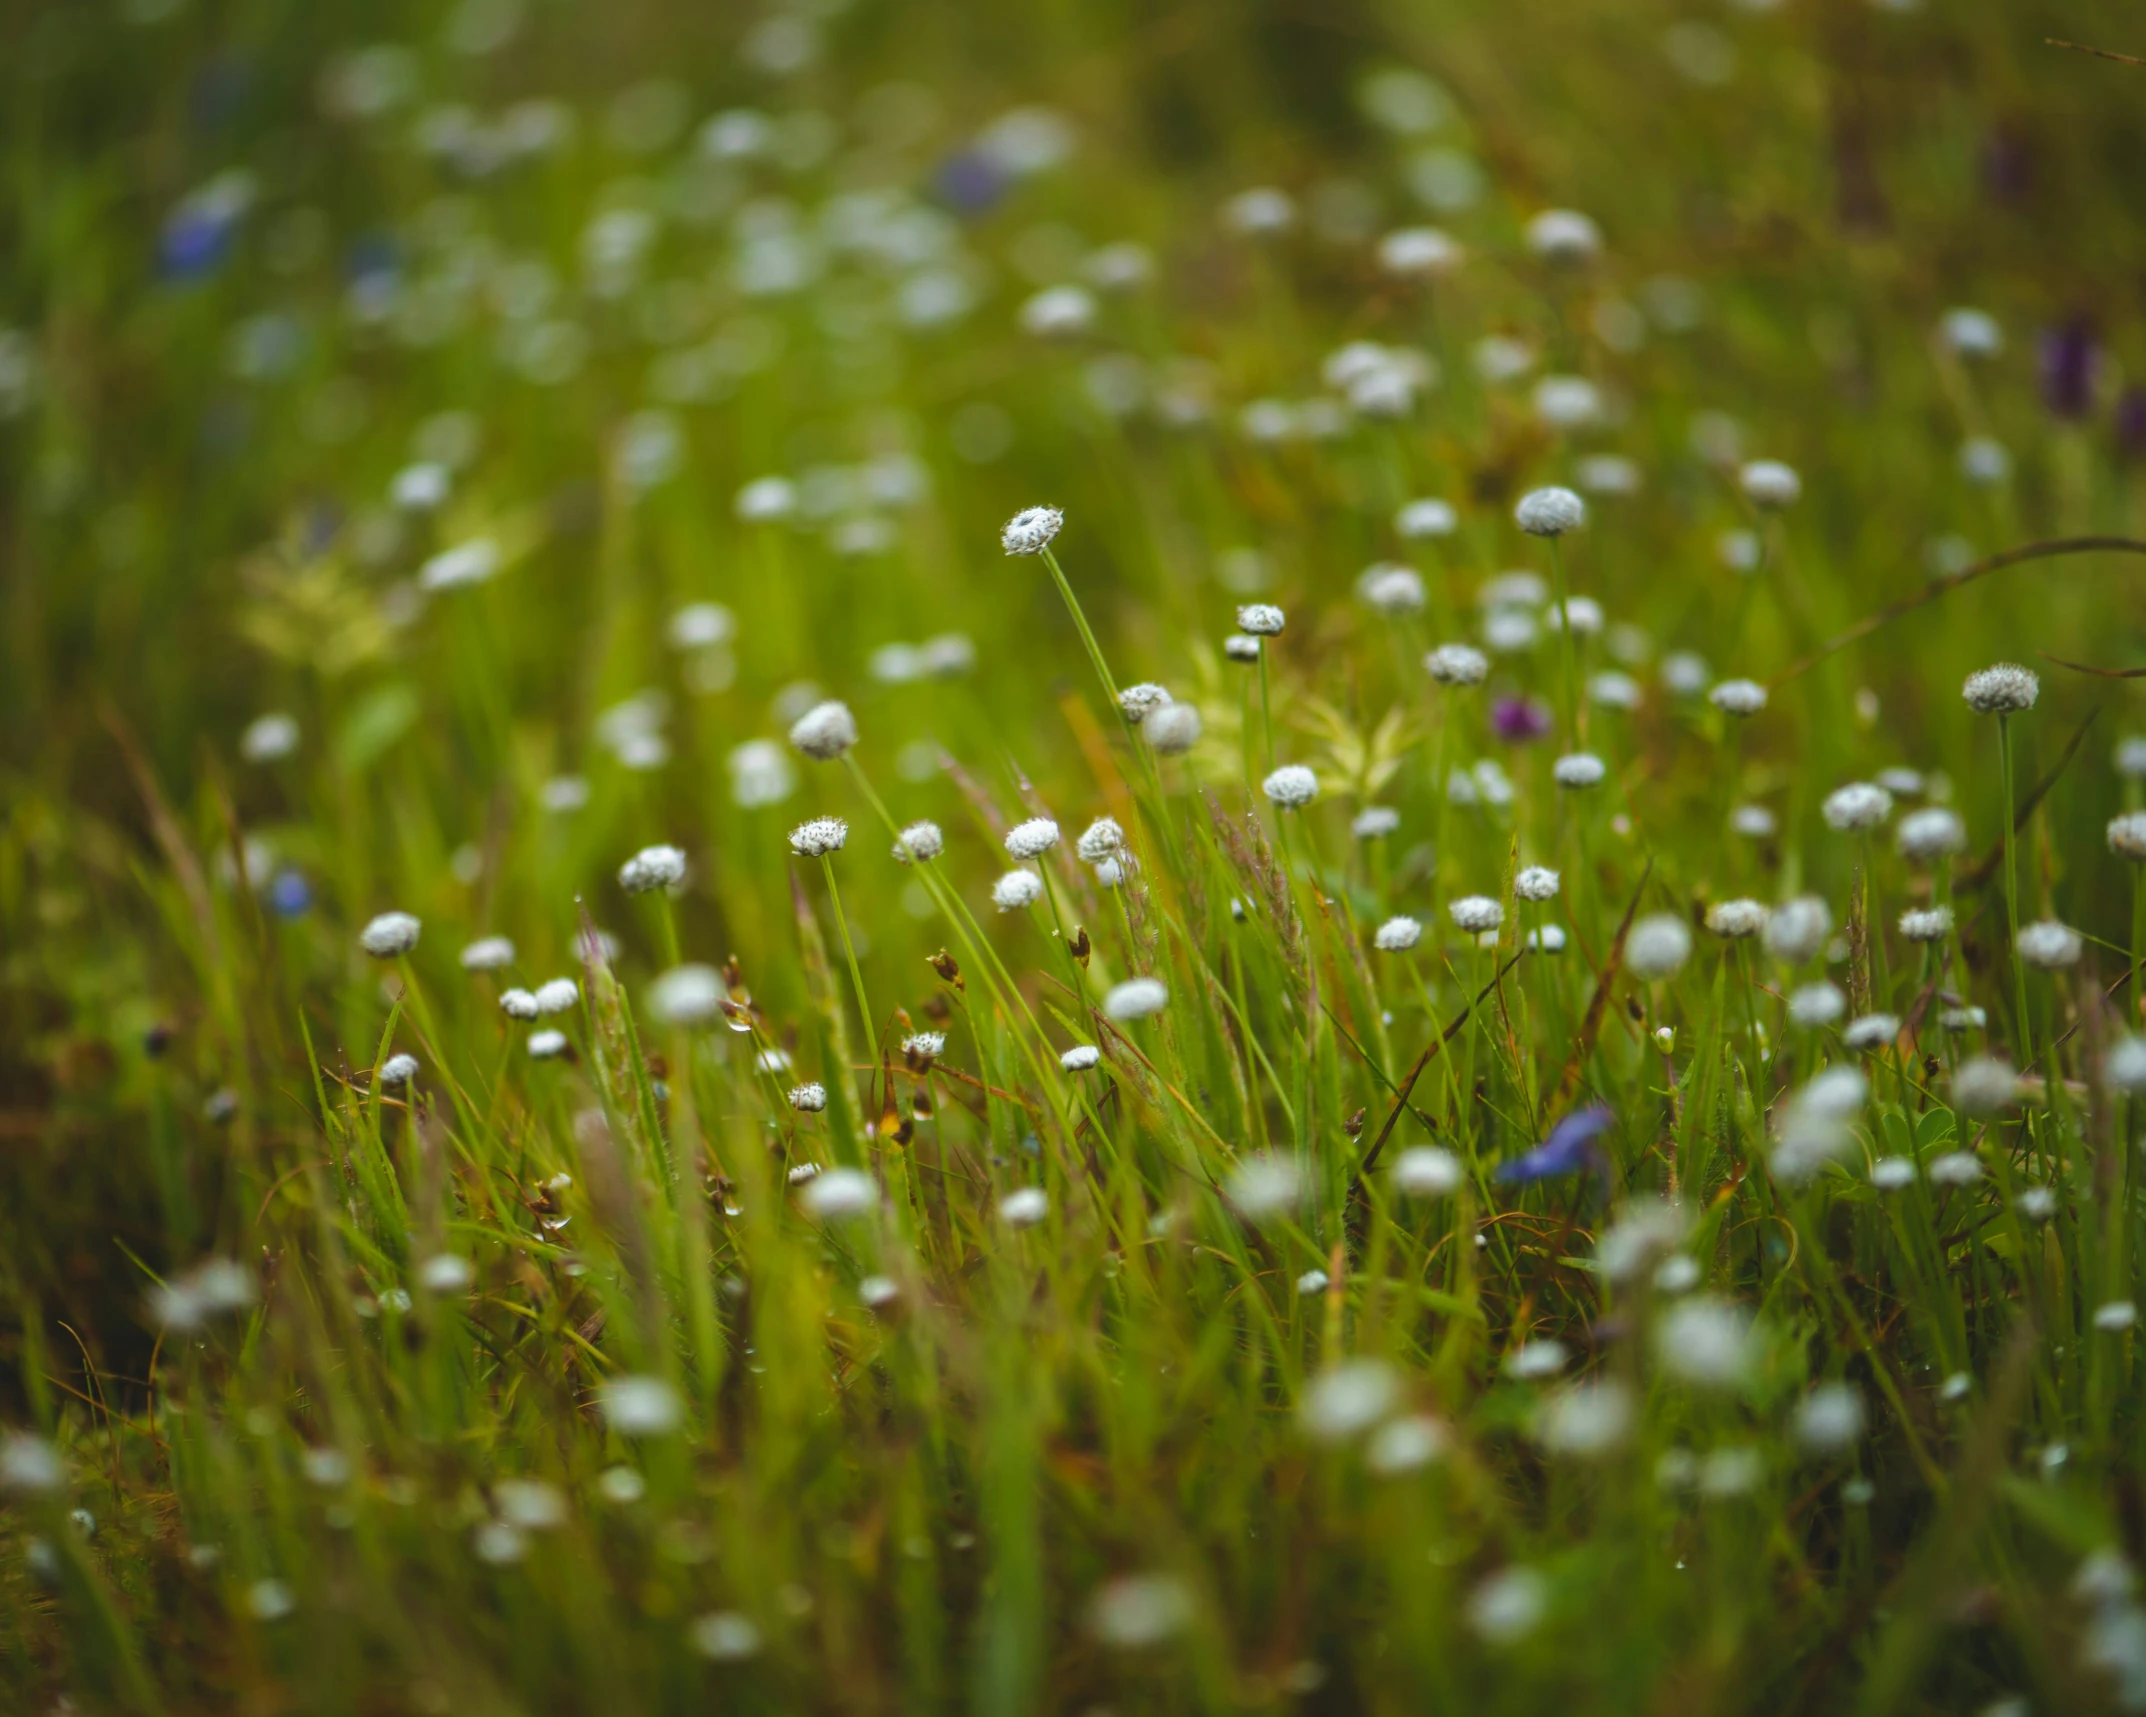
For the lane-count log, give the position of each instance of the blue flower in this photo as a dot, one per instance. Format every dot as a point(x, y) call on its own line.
point(1569, 1148)
point(289, 894)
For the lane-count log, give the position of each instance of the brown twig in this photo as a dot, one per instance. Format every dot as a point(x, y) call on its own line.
point(2098, 53)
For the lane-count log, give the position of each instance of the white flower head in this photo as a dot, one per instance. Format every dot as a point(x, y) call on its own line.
point(641, 1406)
point(766, 499)
point(1426, 518)
point(1550, 512)
point(1391, 589)
point(1815, 1005)
point(1707, 1342)
point(809, 1098)
point(1457, 665)
point(397, 1070)
point(1031, 839)
point(518, 1004)
point(825, 731)
point(1753, 822)
point(1797, 930)
point(1476, 913)
point(268, 738)
point(1738, 697)
point(1579, 770)
point(819, 837)
point(389, 935)
point(1933, 832)
point(488, 954)
point(1926, 924)
point(1427, 1171)
point(1242, 648)
point(1058, 313)
point(1771, 484)
point(1829, 1420)
point(1657, 946)
point(1030, 531)
point(2049, 946)
point(1346, 1400)
point(1172, 730)
point(2001, 690)
point(2127, 836)
point(1509, 1605)
point(1265, 1185)
point(1139, 702)
point(1136, 998)
point(1736, 919)
point(1564, 235)
point(1397, 935)
point(547, 1045)
point(1291, 787)
point(652, 868)
point(690, 995)
point(1423, 252)
point(1536, 882)
point(1100, 840)
point(919, 843)
point(1080, 1058)
point(1867, 1032)
point(1024, 1207)
point(1016, 889)
point(1586, 1421)
point(1261, 620)
point(1856, 807)
point(1983, 1085)
point(2124, 1067)
point(557, 996)
point(841, 1194)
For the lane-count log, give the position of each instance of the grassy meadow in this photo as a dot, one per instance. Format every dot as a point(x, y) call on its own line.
point(888, 856)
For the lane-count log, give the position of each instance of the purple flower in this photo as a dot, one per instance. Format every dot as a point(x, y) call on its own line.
point(1517, 720)
point(289, 894)
point(1569, 1148)
point(2069, 360)
point(970, 183)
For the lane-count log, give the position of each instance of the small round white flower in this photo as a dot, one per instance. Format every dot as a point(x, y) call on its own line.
point(1058, 312)
point(1427, 1171)
point(1031, 839)
point(1736, 919)
point(2125, 1065)
point(1291, 787)
point(1016, 889)
point(1769, 483)
point(1857, 806)
point(269, 738)
point(1963, 1019)
point(2127, 836)
point(687, 996)
point(2049, 945)
point(1030, 531)
point(1139, 702)
point(652, 868)
point(1985, 462)
point(390, 934)
point(1567, 402)
point(1933, 832)
point(1426, 518)
point(1829, 1419)
point(1817, 1004)
point(1172, 730)
point(839, 1194)
point(641, 1406)
point(1657, 946)
point(1582, 613)
point(1536, 882)
point(819, 837)
point(1983, 1084)
point(1926, 924)
point(1391, 589)
point(488, 954)
point(1798, 930)
point(1579, 770)
point(1563, 235)
point(825, 731)
point(766, 499)
point(2002, 689)
point(2131, 756)
point(1753, 822)
point(445, 1273)
point(1890, 1174)
point(557, 996)
point(398, 1070)
point(1423, 252)
point(1261, 620)
point(1397, 935)
point(1024, 1207)
point(1457, 665)
point(547, 1045)
point(518, 1004)
point(700, 626)
point(1611, 689)
point(1080, 1058)
point(808, 1099)
point(1738, 697)
point(1971, 333)
point(2116, 1316)
point(1550, 512)
point(1955, 1168)
point(1348, 1399)
point(1260, 212)
point(919, 843)
point(1136, 998)
point(1871, 1031)
point(1100, 840)
point(1476, 913)
point(1375, 822)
